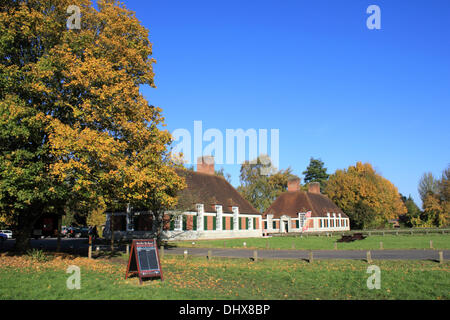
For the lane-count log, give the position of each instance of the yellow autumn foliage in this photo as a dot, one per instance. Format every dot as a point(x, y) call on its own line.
point(77, 126)
point(361, 184)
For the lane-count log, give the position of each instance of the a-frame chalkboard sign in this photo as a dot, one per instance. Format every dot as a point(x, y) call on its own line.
point(144, 260)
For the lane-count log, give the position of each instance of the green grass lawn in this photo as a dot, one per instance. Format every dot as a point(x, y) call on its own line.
point(198, 278)
point(327, 243)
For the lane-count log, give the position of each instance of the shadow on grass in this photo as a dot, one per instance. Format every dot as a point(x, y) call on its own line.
point(144, 279)
point(107, 254)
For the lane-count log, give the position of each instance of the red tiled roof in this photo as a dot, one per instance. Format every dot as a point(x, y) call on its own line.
point(212, 190)
point(292, 202)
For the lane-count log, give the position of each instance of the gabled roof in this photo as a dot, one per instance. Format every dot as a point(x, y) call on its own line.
point(211, 190)
point(292, 202)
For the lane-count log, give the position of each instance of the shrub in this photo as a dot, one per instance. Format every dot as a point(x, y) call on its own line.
point(38, 255)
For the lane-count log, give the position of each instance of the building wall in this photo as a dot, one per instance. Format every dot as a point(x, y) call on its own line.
point(185, 230)
point(313, 224)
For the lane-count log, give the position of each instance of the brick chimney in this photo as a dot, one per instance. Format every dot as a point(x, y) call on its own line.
point(314, 187)
point(205, 164)
point(294, 184)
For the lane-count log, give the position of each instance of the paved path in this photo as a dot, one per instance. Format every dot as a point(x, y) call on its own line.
point(318, 254)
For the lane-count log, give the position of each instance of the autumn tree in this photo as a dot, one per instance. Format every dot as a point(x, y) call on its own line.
point(360, 189)
point(97, 216)
point(73, 123)
point(261, 183)
point(436, 200)
point(316, 172)
point(428, 185)
point(445, 191)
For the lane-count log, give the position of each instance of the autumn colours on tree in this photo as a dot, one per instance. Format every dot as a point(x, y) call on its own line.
point(366, 197)
point(74, 126)
point(75, 131)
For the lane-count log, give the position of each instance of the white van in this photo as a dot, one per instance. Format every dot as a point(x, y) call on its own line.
point(8, 233)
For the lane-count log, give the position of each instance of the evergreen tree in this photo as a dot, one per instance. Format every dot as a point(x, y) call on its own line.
point(413, 212)
point(316, 172)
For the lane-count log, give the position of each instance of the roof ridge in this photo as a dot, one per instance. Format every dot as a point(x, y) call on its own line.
point(291, 203)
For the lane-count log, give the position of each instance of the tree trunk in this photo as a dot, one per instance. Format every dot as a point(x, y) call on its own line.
point(58, 241)
point(111, 225)
point(25, 229)
point(159, 227)
point(23, 238)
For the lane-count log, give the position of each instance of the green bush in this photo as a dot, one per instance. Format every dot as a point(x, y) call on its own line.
point(38, 255)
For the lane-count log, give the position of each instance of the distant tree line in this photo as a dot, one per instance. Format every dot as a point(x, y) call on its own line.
point(369, 199)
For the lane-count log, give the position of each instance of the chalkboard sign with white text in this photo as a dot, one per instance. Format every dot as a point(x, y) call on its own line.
point(144, 260)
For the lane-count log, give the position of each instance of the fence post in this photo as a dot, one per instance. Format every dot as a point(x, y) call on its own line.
point(311, 257)
point(128, 249)
point(185, 253)
point(369, 257)
point(90, 248)
point(255, 255)
point(335, 246)
point(441, 257)
point(209, 256)
point(431, 244)
point(161, 251)
point(381, 245)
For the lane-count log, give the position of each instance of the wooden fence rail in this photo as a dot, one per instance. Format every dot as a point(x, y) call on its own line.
point(381, 232)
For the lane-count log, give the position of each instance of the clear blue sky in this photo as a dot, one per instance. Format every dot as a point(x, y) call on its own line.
point(312, 69)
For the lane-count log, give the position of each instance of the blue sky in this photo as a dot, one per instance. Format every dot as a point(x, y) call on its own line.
point(312, 69)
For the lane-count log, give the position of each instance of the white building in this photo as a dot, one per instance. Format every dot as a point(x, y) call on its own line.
point(300, 211)
point(214, 209)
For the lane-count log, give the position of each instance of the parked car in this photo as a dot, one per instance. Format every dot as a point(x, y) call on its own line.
point(77, 232)
point(8, 233)
point(71, 232)
point(3, 237)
